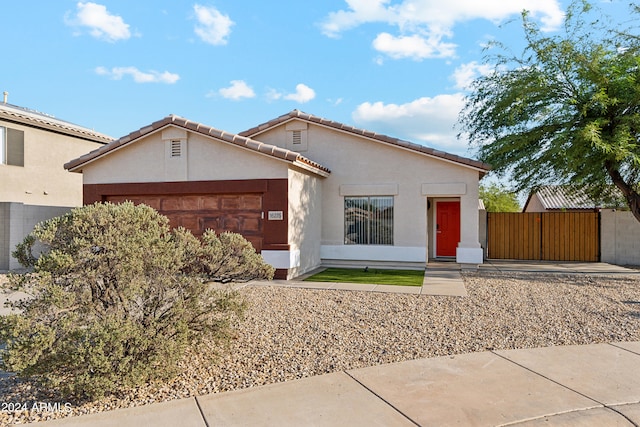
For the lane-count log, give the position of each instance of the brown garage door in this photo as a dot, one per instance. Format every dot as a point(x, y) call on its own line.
point(238, 213)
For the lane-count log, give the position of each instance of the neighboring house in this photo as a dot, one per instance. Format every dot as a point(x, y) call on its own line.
point(553, 198)
point(34, 186)
point(305, 191)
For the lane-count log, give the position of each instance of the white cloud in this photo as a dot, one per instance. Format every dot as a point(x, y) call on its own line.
point(422, 24)
point(102, 24)
point(303, 94)
point(425, 120)
point(415, 47)
point(362, 11)
point(117, 73)
point(213, 27)
point(238, 90)
point(273, 95)
point(465, 74)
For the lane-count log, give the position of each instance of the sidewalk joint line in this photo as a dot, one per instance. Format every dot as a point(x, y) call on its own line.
point(625, 349)
point(622, 415)
point(206, 423)
point(381, 398)
point(549, 379)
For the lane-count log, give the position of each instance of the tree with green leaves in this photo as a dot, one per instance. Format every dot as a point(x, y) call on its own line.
point(567, 110)
point(497, 198)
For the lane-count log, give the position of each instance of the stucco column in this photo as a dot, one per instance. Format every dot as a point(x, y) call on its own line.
point(469, 250)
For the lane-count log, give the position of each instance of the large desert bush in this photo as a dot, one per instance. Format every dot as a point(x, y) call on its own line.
point(117, 297)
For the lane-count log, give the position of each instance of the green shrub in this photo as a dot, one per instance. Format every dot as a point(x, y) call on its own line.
point(117, 297)
point(225, 257)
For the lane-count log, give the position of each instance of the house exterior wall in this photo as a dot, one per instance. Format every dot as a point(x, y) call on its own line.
point(535, 205)
point(619, 237)
point(370, 168)
point(305, 222)
point(43, 180)
point(16, 221)
point(149, 160)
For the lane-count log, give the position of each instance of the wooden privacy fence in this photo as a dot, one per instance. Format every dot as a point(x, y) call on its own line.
point(546, 236)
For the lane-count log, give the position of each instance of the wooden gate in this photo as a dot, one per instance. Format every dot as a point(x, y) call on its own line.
point(547, 236)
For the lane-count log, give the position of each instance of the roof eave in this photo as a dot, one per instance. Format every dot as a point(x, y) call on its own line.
point(238, 141)
point(481, 167)
point(321, 172)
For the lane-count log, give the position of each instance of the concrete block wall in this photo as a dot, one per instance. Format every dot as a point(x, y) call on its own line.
point(16, 222)
point(619, 237)
point(5, 234)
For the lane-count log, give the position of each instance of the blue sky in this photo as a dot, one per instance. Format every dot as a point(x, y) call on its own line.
point(398, 67)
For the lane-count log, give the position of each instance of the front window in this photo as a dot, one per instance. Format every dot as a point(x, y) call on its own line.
point(11, 146)
point(368, 220)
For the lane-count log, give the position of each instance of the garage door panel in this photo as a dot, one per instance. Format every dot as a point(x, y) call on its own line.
point(210, 202)
point(251, 224)
point(170, 204)
point(231, 224)
point(231, 203)
point(207, 222)
point(191, 203)
point(190, 222)
point(252, 202)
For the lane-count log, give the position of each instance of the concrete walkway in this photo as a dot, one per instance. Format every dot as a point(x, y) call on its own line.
point(590, 385)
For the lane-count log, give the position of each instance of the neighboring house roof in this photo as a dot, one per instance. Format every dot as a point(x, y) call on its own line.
point(297, 114)
point(570, 197)
point(173, 120)
point(15, 114)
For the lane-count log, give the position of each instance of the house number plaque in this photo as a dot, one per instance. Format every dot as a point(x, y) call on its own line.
point(276, 216)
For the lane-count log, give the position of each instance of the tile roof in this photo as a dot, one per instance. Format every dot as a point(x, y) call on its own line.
point(554, 197)
point(297, 114)
point(241, 141)
point(39, 120)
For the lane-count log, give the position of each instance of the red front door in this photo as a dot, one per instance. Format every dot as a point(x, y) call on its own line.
point(447, 228)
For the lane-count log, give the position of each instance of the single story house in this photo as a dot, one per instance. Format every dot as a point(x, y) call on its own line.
point(570, 198)
point(306, 191)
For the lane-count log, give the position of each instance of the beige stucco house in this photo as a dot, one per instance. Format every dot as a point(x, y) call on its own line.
point(34, 185)
point(305, 191)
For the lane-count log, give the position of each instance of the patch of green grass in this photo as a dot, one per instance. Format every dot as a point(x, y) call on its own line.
point(371, 276)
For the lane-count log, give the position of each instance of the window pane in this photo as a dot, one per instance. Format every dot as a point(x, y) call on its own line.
point(381, 221)
point(356, 218)
point(15, 147)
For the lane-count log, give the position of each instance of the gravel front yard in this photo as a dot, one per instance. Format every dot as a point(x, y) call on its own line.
point(295, 333)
